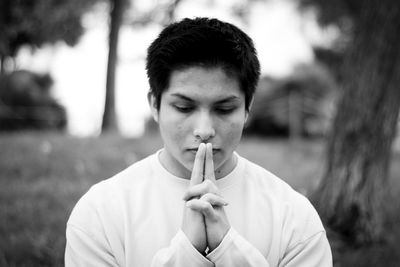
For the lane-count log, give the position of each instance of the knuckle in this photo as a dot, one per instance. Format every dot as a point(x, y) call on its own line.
point(207, 197)
point(193, 188)
point(208, 184)
point(208, 207)
point(196, 189)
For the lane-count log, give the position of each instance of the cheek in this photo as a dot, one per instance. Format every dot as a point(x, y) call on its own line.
point(236, 130)
point(232, 132)
point(172, 130)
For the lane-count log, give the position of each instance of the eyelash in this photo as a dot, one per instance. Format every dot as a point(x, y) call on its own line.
point(223, 111)
point(183, 109)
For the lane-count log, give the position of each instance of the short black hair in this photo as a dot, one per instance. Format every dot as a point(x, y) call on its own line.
point(202, 42)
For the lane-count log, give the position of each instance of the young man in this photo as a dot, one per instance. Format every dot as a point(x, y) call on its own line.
point(196, 202)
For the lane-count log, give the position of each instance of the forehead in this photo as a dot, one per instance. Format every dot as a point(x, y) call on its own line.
point(203, 83)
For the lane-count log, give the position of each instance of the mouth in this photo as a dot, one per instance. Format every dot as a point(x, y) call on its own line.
point(194, 150)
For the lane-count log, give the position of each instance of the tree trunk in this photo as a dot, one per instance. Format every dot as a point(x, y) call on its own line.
point(2, 64)
point(351, 193)
point(295, 114)
point(109, 117)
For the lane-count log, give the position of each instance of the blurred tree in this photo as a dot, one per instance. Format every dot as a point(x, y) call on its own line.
point(162, 14)
point(26, 103)
point(332, 58)
point(36, 22)
point(351, 194)
point(109, 123)
point(296, 106)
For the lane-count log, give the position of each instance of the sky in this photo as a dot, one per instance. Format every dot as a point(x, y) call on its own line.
point(282, 37)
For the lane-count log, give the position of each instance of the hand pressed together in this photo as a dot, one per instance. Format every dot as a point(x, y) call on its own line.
point(204, 221)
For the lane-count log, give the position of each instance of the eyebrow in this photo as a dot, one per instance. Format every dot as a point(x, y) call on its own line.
point(186, 98)
point(183, 97)
point(228, 99)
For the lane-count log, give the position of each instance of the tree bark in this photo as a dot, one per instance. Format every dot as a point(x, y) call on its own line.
point(351, 194)
point(109, 117)
point(295, 114)
point(2, 64)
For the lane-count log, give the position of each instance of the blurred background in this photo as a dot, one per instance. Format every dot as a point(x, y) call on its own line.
point(73, 111)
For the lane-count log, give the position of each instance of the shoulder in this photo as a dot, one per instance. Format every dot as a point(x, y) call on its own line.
point(128, 179)
point(107, 196)
point(297, 214)
point(267, 182)
point(124, 180)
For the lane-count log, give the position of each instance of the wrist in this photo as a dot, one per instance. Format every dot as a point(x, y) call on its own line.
point(217, 237)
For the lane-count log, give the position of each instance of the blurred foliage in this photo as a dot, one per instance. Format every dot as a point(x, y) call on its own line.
point(26, 103)
point(350, 17)
point(331, 58)
point(163, 13)
point(343, 13)
point(306, 96)
point(36, 22)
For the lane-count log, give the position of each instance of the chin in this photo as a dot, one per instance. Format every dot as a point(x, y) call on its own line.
point(218, 165)
point(187, 164)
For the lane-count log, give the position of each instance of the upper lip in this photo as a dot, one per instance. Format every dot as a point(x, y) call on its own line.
point(197, 148)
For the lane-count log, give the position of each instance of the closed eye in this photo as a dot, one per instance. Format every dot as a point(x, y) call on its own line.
point(225, 110)
point(183, 109)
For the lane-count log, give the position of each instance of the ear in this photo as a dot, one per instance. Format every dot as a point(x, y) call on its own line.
point(153, 106)
point(248, 110)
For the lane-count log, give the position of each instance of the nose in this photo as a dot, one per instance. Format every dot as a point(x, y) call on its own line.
point(204, 127)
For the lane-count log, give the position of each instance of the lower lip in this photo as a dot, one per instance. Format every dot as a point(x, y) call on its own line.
point(194, 151)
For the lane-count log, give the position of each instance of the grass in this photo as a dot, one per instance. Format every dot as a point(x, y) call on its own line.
point(43, 175)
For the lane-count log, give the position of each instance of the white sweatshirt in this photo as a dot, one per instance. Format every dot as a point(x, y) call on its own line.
point(134, 219)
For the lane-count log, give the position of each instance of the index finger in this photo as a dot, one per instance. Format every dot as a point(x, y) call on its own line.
point(198, 166)
point(209, 169)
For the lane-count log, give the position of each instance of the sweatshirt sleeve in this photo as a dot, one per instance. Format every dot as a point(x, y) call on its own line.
point(305, 242)
point(180, 253)
point(83, 249)
point(312, 252)
point(87, 242)
point(235, 251)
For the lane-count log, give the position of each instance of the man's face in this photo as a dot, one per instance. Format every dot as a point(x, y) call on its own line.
point(200, 105)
